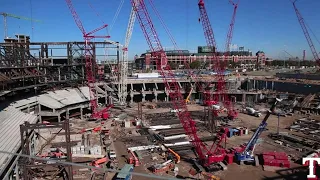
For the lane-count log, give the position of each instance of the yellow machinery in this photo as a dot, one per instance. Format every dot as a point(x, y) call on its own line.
point(210, 176)
point(189, 95)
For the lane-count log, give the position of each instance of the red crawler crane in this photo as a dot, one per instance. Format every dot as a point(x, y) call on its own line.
point(205, 154)
point(229, 105)
point(306, 32)
point(90, 63)
point(218, 66)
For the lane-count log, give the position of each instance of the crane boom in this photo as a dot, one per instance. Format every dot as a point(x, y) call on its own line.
point(124, 65)
point(89, 52)
point(306, 33)
point(170, 82)
point(231, 27)
point(5, 15)
point(247, 153)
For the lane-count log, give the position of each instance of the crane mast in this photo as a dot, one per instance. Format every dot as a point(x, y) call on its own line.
point(306, 33)
point(124, 65)
point(89, 61)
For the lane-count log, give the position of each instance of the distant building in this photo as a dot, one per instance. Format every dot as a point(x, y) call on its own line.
point(244, 58)
point(261, 58)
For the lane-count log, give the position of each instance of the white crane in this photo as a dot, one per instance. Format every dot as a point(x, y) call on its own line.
point(122, 91)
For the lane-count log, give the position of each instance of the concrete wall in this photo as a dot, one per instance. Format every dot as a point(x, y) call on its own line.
point(289, 87)
point(299, 76)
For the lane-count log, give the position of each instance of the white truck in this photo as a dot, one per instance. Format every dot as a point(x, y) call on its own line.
point(253, 112)
point(112, 155)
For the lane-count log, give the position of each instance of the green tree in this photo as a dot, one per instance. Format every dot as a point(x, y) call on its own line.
point(173, 65)
point(195, 65)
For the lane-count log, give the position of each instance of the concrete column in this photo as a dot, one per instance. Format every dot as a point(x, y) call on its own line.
point(59, 118)
point(156, 97)
point(272, 86)
point(244, 97)
point(254, 84)
point(81, 113)
point(256, 98)
point(144, 87)
point(143, 97)
point(156, 86)
point(67, 114)
point(59, 74)
point(39, 109)
point(17, 172)
point(266, 84)
point(45, 78)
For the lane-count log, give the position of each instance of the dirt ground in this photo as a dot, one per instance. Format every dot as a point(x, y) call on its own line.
point(234, 171)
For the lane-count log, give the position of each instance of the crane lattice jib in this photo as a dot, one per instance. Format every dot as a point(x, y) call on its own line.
point(172, 86)
point(306, 34)
point(89, 55)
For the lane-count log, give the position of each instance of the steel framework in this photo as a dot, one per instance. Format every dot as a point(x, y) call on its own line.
point(38, 169)
point(42, 65)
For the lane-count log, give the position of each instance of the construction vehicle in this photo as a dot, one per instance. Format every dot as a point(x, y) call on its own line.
point(253, 112)
point(112, 155)
point(98, 162)
point(202, 172)
point(133, 159)
point(166, 166)
point(189, 95)
point(246, 155)
point(177, 156)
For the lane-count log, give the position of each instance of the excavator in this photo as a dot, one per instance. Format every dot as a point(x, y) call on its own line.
point(189, 95)
point(177, 156)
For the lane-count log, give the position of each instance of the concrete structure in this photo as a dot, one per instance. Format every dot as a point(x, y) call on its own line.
point(154, 89)
point(10, 120)
point(146, 61)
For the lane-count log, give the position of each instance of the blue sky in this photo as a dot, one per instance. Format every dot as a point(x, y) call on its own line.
point(268, 25)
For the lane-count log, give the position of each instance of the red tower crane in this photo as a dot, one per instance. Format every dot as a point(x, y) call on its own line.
point(90, 63)
point(218, 66)
point(205, 154)
point(306, 32)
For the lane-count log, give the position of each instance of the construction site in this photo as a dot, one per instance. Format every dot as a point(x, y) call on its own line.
point(67, 114)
